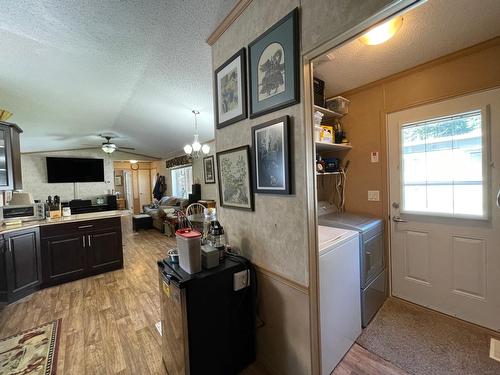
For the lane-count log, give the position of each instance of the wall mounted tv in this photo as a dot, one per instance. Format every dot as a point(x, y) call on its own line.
point(75, 170)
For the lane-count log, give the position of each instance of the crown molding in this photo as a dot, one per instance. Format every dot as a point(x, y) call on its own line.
point(233, 15)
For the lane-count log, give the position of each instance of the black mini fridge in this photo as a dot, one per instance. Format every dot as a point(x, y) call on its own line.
point(207, 326)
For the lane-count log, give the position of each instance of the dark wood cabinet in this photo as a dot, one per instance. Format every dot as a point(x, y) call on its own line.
point(21, 264)
point(63, 258)
point(76, 250)
point(104, 250)
point(10, 157)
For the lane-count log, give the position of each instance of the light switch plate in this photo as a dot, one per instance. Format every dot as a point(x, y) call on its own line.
point(374, 195)
point(495, 349)
point(374, 157)
point(241, 280)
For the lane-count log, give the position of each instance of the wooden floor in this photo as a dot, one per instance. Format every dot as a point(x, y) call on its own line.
point(359, 361)
point(108, 321)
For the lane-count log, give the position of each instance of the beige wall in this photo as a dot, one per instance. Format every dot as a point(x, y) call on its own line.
point(275, 235)
point(470, 70)
point(34, 172)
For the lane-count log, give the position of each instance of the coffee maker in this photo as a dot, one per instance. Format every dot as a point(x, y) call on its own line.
point(216, 238)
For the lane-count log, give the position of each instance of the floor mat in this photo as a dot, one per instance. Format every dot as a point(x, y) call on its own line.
point(422, 342)
point(31, 352)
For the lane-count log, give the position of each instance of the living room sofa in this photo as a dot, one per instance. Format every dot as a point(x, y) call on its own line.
point(157, 210)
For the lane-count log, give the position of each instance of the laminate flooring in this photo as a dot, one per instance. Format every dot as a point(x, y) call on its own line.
point(108, 321)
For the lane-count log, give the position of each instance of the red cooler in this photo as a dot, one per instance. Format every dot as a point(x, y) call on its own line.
point(189, 247)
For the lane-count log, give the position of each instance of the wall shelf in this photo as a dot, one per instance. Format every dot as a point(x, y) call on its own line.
point(323, 146)
point(327, 113)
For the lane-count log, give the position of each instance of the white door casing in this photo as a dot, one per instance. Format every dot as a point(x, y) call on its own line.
point(449, 264)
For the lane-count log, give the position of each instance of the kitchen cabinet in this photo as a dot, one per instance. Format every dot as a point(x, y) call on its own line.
point(104, 250)
point(76, 250)
point(10, 157)
point(21, 266)
point(63, 258)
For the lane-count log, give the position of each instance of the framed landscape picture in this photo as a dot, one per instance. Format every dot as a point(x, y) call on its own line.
point(274, 67)
point(209, 169)
point(235, 179)
point(271, 166)
point(230, 90)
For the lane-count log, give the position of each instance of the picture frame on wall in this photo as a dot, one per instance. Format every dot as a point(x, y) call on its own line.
point(231, 90)
point(235, 178)
point(209, 169)
point(274, 67)
point(271, 160)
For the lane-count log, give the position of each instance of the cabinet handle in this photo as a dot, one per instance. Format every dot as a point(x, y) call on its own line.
point(88, 240)
point(83, 241)
point(85, 226)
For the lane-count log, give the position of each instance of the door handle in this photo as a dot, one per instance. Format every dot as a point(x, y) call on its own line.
point(397, 219)
point(88, 241)
point(498, 199)
point(83, 241)
point(85, 226)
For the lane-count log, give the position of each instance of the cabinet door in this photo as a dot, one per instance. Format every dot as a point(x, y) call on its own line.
point(23, 263)
point(104, 250)
point(64, 258)
point(6, 182)
point(3, 271)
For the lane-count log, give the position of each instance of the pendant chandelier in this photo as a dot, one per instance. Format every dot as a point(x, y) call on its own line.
point(195, 149)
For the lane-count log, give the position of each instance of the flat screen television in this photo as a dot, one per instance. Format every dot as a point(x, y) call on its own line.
point(74, 170)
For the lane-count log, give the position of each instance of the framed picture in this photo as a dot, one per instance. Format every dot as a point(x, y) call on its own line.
point(209, 169)
point(235, 179)
point(274, 67)
point(118, 180)
point(271, 166)
point(231, 90)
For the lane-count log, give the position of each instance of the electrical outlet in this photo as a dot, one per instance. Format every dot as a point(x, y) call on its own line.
point(374, 195)
point(374, 157)
point(241, 280)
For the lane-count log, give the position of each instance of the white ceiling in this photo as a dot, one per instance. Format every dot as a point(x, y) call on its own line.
point(434, 29)
point(70, 70)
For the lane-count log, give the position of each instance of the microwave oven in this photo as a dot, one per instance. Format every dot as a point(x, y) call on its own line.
point(35, 211)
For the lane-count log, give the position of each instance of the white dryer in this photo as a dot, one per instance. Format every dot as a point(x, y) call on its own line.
point(340, 305)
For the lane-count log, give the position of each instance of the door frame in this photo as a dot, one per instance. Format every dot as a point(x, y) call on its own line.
point(393, 9)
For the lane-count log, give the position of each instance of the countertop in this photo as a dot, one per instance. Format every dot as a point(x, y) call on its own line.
point(67, 219)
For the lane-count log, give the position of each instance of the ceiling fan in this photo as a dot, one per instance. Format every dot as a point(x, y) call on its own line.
point(109, 147)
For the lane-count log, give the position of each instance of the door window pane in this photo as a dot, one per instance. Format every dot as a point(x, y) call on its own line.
point(442, 166)
point(182, 181)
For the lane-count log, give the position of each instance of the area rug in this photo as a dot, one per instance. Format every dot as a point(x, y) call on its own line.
point(423, 342)
point(31, 352)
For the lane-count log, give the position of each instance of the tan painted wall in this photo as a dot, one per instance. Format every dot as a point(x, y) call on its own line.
point(275, 235)
point(470, 70)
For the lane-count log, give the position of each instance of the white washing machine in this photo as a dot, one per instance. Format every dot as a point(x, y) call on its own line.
point(340, 305)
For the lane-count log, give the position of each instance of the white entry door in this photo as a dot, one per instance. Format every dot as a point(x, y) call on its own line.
point(444, 168)
point(145, 191)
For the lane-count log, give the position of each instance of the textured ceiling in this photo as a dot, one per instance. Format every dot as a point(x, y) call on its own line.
point(434, 29)
point(70, 70)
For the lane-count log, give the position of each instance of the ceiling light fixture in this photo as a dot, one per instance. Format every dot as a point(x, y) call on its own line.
point(108, 148)
point(195, 149)
point(382, 33)
point(133, 161)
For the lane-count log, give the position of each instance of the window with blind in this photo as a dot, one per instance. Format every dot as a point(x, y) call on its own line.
point(182, 181)
point(442, 163)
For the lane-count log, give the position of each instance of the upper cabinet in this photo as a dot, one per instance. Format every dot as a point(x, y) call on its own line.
point(10, 157)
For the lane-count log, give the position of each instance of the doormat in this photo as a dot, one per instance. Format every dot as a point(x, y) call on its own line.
point(158, 327)
point(31, 352)
point(495, 349)
point(420, 341)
